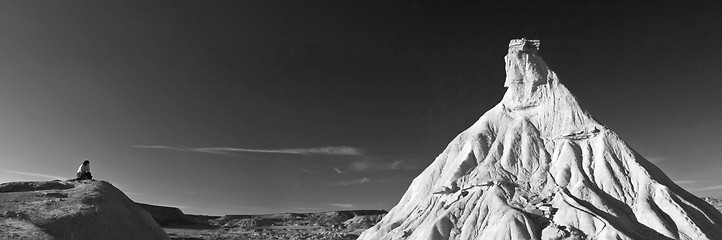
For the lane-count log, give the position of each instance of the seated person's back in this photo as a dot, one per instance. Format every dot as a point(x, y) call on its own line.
point(84, 171)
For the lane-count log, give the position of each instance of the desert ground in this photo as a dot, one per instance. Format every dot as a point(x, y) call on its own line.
point(92, 209)
point(58, 209)
point(337, 225)
point(333, 225)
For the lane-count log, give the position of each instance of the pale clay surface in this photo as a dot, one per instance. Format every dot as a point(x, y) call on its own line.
point(538, 166)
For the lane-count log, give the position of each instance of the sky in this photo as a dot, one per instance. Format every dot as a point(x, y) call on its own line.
point(245, 107)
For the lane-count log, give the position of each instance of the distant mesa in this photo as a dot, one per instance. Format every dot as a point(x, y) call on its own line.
point(72, 210)
point(538, 166)
point(166, 216)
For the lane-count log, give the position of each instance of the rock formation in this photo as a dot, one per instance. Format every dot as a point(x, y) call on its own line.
point(72, 210)
point(166, 216)
point(538, 166)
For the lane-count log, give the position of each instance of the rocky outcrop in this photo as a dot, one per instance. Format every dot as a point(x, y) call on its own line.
point(538, 166)
point(363, 221)
point(72, 210)
point(338, 218)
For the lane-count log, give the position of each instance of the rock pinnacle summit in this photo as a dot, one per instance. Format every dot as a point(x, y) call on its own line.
point(538, 166)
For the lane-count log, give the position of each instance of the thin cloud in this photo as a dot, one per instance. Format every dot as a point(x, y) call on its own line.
point(162, 147)
point(716, 187)
point(342, 205)
point(350, 182)
point(356, 159)
point(32, 174)
point(315, 171)
point(698, 181)
point(329, 150)
point(685, 181)
point(372, 165)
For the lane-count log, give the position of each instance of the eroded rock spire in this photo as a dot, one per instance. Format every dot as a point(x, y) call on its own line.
point(537, 166)
point(523, 63)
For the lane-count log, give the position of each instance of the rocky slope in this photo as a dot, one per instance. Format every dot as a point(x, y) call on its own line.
point(72, 210)
point(538, 166)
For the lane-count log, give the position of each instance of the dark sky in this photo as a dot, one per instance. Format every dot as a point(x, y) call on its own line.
point(274, 106)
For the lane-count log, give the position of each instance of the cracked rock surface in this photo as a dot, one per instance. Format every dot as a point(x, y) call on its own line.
point(538, 166)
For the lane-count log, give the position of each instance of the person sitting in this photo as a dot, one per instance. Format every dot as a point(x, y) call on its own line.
point(84, 171)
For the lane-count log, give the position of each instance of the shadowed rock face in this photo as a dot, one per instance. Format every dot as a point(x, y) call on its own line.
point(166, 216)
point(716, 203)
point(72, 210)
point(538, 166)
